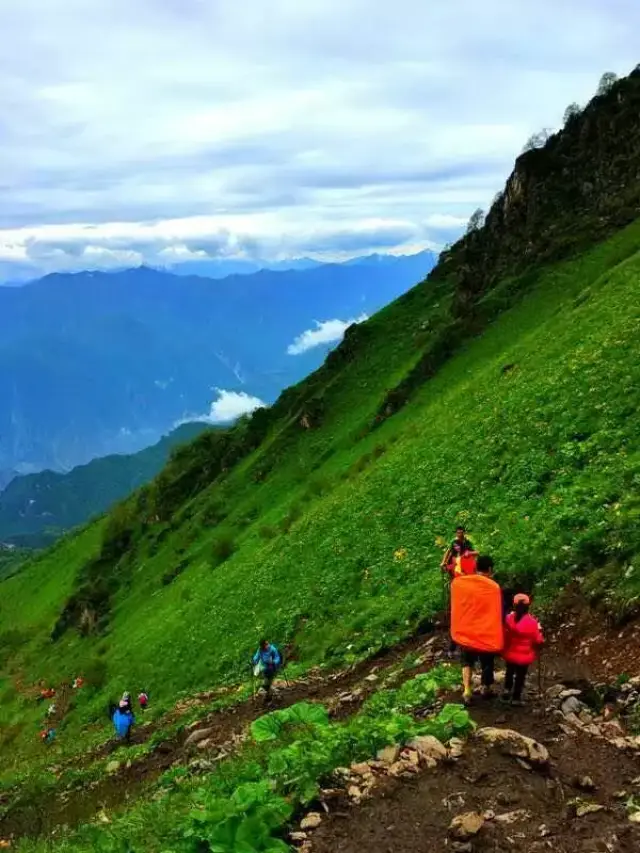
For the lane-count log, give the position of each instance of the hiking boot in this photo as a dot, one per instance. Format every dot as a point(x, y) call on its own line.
point(467, 697)
point(506, 697)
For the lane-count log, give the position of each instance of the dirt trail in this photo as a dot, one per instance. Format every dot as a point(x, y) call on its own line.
point(413, 816)
point(42, 816)
point(414, 810)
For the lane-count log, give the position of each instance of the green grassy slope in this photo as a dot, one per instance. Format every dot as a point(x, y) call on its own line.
point(300, 539)
point(37, 508)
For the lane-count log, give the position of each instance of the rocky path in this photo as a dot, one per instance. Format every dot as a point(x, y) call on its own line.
point(566, 790)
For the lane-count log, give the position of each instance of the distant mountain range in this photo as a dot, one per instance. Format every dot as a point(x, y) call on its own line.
point(37, 508)
point(97, 363)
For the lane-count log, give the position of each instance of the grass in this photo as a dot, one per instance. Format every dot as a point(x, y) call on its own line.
point(296, 540)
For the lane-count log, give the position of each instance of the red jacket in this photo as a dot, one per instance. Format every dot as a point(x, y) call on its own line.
point(522, 639)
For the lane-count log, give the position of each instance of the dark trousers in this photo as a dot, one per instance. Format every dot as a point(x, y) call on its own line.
point(268, 675)
point(469, 657)
point(515, 678)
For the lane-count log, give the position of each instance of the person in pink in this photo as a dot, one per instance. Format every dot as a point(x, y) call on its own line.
point(522, 640)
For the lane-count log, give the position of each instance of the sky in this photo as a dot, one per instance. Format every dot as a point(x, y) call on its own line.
point(163, 131)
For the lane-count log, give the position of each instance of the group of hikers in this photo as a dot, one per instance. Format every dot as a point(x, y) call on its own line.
point(486, 622)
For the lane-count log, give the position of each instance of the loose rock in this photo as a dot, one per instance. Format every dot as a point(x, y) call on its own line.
point(311, 821)
point(510, 742)
point(588, 808)
point(197, 736)
point(428, 748)
point(585, 783)
point(388, 755)
point(466, 825)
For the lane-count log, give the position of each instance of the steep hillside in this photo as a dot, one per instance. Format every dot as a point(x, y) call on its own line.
point(320, 521)
point(99, 363)
point(37, 508)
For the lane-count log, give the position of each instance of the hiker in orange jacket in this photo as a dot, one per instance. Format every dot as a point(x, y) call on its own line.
point(477, 624)
point(523, 639)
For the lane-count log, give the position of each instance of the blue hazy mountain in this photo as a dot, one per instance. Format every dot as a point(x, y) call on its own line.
point(94, 363)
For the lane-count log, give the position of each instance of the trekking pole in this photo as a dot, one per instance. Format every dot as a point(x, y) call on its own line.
point(540, 679)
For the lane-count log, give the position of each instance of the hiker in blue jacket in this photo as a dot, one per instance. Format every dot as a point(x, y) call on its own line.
point(267, 662)
point(123, 720)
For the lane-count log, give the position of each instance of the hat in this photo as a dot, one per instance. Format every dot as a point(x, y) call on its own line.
point(521, 598)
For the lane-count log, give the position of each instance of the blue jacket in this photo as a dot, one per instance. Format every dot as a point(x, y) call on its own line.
point(269, 657)
point(122, 722)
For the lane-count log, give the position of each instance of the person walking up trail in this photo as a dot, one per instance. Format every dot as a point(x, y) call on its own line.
point(476, 624)
point(523, 639)
point(267, 662)
point(123, 720)
point(460, 547)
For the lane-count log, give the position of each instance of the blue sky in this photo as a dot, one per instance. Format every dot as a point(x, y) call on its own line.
point(169, 130)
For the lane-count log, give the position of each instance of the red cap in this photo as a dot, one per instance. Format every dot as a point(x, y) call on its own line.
point(521, 598)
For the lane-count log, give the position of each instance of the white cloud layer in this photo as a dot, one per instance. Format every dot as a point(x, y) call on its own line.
point(164, 130)
point(327, 332)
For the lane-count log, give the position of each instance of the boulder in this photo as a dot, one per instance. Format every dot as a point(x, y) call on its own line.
point(510, 742)
point(466, 826)
point(429, 749)
point(112, 767)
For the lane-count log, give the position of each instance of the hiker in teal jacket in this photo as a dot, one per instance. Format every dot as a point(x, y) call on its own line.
point(267, 661)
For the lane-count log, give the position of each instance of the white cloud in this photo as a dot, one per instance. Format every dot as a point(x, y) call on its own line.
point(327, 332)
point(268, 126)
point(231, 405)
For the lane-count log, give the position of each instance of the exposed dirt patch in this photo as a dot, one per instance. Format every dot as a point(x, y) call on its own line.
point(585, 642)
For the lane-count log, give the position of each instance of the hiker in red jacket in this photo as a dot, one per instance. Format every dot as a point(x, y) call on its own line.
point(522, 640)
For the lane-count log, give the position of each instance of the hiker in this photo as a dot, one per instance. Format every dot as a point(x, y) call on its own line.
point(123, 720)
point(125, 702)
point(46, 693)
point(47, 736)
point(267, 662)
point(459, 558)
point(459, 548)
point(143, 700)
point(522, 640)
point(78, 683)
point(51, 710)
point(476, 624)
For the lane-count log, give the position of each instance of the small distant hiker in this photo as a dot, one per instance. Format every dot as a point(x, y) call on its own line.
point(46, 693)
point(452, 560)
point(267, 662)
point(522, 642)
point(123, 720)
point(47, 736)
point(78, 683)
point(51, 710)
point(476, 624)
point(143, 700)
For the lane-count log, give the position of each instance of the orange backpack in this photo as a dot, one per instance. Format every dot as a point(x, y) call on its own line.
point(476, 613)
